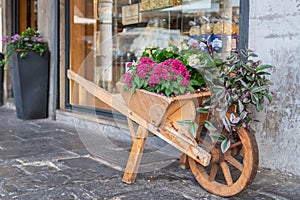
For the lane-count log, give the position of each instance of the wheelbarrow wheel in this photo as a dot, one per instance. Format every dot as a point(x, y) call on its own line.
point(231, 172)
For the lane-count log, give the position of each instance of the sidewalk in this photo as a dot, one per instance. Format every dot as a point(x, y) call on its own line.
point(44, 159)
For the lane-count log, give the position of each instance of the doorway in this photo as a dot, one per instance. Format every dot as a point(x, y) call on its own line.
point(24, 15)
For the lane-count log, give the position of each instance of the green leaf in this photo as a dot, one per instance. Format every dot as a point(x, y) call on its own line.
point(125, 88)
point(168, 92)
point(218, 61)
point(220, 95)
point(167, 54)
point(217, 88)
point(263, 67)
point(194, 129)
point(244, 53)
point(254, 98)
point(234, 119)
point(182, 89)
point(208, 76)
point(249, 78)
point(209, 126)
point(262, 73)
point(243, 114)
point(259, 107)
point(250, 69)
point(137, 81)
point(245, 84)
point(225, 145)
point(231, 68)
point(184, 122)
point(218, 137)
point(226, 123)
point(227, 84)
point(202, 110)
point(241, 106)
point(246, 100)
point(133, 89)
point(259, 89)
point(167, 84)
point(268, 97)
point(252, 55)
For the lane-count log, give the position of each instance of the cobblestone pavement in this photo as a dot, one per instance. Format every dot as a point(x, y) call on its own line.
point(44, 159)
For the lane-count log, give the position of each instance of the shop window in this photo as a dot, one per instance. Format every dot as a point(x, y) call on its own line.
point(105, 34)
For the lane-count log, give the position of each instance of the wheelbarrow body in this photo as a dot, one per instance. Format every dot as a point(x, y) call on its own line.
point(159, 115)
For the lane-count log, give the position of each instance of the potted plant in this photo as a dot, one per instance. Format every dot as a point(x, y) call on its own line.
point(28, 58)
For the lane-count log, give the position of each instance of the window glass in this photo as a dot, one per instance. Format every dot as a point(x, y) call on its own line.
point(105, 34)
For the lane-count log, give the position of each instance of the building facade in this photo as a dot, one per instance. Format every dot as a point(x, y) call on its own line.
point(96, 38)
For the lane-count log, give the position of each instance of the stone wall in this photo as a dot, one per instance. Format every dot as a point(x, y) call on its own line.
point(46, 26)
point(274, 33)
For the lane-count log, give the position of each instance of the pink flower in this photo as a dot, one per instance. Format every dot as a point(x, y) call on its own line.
point(127, 77)
point(147, 67)
point(156, 74)
point(141, 73)
point(178, 66)
point(146, 60)
point(4, 39)
point(128, 64)
point(15, 37)
point(184, 82)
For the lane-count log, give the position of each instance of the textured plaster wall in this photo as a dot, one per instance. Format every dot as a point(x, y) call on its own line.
point(274, 33)
point(46, 27)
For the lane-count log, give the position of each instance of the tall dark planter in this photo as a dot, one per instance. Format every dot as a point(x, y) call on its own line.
point(30, 77)
point(1, 80)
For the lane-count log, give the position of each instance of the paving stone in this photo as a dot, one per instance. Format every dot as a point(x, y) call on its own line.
point(43, 159)
point(9, 172)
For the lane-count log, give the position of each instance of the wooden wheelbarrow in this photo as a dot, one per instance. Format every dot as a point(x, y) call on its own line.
point(223, 174)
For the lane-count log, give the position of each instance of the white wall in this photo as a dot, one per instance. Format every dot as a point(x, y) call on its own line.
point(274, 33)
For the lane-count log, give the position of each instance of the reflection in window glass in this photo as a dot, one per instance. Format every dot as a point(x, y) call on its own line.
point(106, 34)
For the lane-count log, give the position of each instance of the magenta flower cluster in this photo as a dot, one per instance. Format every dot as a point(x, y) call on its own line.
point(29, 40)
point(148, 72)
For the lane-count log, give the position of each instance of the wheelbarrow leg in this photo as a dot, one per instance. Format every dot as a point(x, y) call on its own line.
point(133, 163)
point(183, 163)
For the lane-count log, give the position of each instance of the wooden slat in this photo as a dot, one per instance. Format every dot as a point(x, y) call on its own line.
point(234, 162)
point(213, 172)
point(135, 156)
point(149, 105)
point(134, 160)
point(226, 172)
point(89, 86)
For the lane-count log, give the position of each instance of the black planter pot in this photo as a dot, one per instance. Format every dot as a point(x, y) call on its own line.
point(1, 80)
point(30, 77)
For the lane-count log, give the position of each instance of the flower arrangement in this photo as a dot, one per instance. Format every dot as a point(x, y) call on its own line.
point(29, 40)
point(237, 81)
point(164, 71)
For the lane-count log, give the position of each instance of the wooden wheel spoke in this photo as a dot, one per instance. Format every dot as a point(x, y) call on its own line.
point(213, 172)
point(235, 144)
point(241, 153)
point(234, 162)
point(226, 172)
